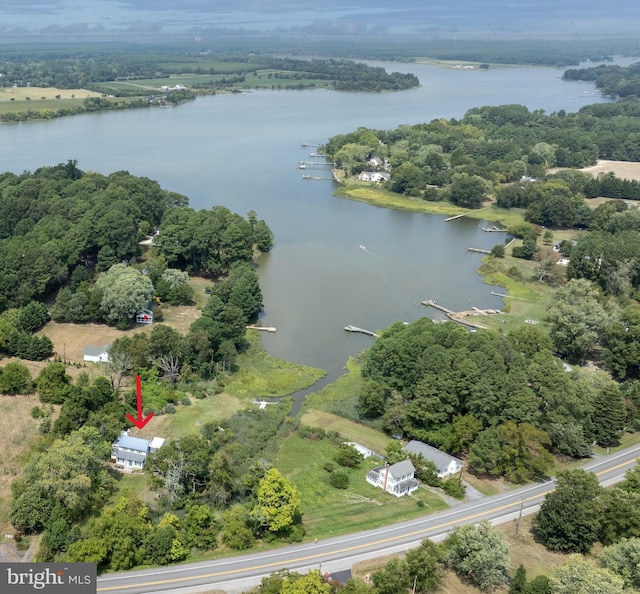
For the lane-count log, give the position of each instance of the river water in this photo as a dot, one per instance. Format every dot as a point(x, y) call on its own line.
point(242, 150)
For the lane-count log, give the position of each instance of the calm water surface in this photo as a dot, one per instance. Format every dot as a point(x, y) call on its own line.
point(241, 151)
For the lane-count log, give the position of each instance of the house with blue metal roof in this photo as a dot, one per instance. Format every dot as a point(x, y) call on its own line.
point(130, 453)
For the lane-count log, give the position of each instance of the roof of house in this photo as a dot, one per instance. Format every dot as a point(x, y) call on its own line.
point(439, 458)
point(156, 443)
point(401, 469)
point(95, 351)
point(133, 456)
point(132, 443)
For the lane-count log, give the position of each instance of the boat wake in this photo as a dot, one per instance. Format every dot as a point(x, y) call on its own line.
point(364, 249)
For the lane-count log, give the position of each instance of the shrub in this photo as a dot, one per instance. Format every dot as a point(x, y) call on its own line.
point(329, 466)
point(454, 488)
point(186, 401)
point(312, 433)
point(339, 480)
point(348, 457)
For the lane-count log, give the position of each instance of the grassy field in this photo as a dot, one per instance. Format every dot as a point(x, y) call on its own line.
point(370, 438)
point(328, 511)
point(69, 340)
point(17, 429)
point(20, 99)
point(261, 375)
point(189, 419)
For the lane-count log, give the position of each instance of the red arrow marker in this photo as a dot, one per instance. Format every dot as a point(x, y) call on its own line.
point(140, 422)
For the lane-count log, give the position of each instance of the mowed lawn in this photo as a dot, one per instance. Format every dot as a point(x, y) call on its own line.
point(350, 431)
point(188, 420)
point(328, 511)
point(69, 340)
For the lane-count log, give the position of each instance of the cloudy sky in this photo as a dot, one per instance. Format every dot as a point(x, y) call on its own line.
point(492, 19)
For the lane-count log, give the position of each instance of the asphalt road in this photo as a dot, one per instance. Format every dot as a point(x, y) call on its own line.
point(238, 574)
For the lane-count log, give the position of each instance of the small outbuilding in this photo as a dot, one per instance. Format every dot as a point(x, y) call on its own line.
point(96, 354)
point(144, 316)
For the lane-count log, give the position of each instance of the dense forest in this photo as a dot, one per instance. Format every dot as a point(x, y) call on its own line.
point(77, 235)
point(613, 81)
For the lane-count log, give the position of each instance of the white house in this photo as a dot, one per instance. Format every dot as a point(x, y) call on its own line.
point(96, 354)
point(374, 176)
point(445, 464)
point(130, 453)
point(144, 316)
point(397, 479)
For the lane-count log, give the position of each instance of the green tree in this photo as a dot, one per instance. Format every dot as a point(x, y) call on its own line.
point(576, 318)
point(478, 554)
point(278, 503)
point(235, 531)
point(623, 559)
point(16, 378)
point(423, 565)
point(125, 291)
point(88, 550)
point(577, 575)
point(311, 583)
point(33, 316)
point(54, 384)
point(348, 456)
point(468, 191)
point(393, 579)
point(609, 415)
point(620, 516)
point(569, 517)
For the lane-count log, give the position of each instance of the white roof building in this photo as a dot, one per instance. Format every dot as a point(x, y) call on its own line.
point(445, 464)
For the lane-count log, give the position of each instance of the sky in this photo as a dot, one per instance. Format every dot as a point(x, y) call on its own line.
point(487, 19)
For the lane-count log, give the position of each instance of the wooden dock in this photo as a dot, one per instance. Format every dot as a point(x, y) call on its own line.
point(462, 317)
point(263, 328)
point(478, 250)
point(317, 177)
point(464, 214)
point(493, 229)
point(351, 328)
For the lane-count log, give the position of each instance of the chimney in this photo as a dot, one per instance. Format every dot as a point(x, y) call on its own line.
point(386, 476)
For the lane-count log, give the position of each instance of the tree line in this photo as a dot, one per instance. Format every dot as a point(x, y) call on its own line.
point(613, 81)
point(491, 148)
point(506, 403)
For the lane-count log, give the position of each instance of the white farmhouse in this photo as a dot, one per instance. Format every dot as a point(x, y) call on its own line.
point(445, 464)
point(397, 479)
point(130, 453)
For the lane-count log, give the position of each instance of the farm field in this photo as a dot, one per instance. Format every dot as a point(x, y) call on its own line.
point(38, 94)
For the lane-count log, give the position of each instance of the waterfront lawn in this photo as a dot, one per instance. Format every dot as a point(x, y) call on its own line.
point(261, 375)
point(328, 511)
point(349, 430)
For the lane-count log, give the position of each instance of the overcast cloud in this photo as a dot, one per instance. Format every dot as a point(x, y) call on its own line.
point(483, 18)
